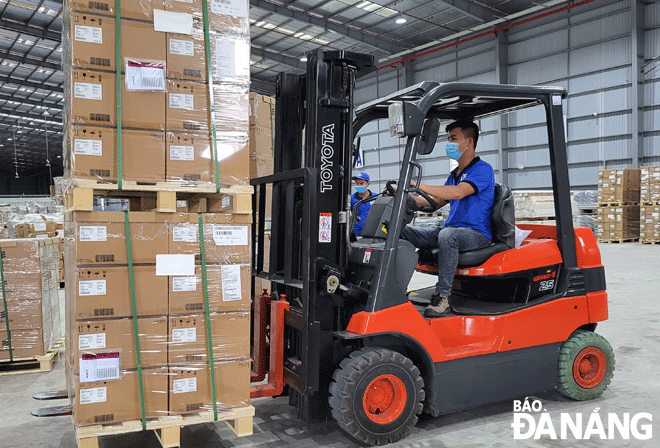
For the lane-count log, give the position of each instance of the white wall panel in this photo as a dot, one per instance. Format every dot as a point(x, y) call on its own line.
point(597, 11)
point(528, 158)
point(596, 127)
point(597, 81)
point(538, 46)
point(652, 15)
point(601, 29)
point(533, 30)
point(600, 56)
point(601, 102)
point(540, 70)
point(652, 146)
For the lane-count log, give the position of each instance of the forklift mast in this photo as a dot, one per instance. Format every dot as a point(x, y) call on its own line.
point(313, 154)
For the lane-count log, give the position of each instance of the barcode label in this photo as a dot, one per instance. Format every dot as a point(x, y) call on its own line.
point(88, 91)
point(103, 62)
point(99, 173)
point(88, 147)
point(230, 235)
point(145, 76)
point(236, 8)
point(180, 284)
point(186, 234)
point(181, 152)
point(225, 58)
point(181, 101)
point(182, 47)
point(184, 335)
point(231, 283)
point(99, 6)
point(91, 341)
point(91, 287)
point(99, 367)
point(94, 395)
point(93, 233)
point(89, 34)
point(184, 385)
point(99, 117)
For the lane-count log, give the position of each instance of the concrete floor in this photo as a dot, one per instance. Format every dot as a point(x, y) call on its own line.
point(633, 330)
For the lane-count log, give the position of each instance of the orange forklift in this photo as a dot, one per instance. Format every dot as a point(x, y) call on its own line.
point(341, 334)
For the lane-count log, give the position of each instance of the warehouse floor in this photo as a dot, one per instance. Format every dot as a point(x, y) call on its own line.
point(633, 330)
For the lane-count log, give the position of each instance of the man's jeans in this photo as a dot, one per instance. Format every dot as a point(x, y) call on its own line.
point(450, 241)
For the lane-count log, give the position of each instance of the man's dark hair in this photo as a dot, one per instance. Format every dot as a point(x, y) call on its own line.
point(467, 127)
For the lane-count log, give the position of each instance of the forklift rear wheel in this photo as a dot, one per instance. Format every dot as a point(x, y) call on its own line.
point(586, 366)
point(376, 395)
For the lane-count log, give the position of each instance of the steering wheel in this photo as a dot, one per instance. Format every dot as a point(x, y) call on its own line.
point(412, 203)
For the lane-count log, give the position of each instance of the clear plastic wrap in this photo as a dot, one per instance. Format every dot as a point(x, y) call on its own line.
point(649, 223)
point(30, 270)
point(619, 186)
point(170, 34)
point(101, 347)
point(650, 184)
point(619, 222)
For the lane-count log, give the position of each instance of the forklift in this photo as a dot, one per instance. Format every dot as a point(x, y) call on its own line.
point(347, 340)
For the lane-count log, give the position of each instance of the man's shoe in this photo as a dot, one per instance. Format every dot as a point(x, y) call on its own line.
point(439, 306)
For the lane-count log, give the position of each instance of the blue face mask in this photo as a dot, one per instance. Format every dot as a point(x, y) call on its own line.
point(360, 188)
point(451, 148)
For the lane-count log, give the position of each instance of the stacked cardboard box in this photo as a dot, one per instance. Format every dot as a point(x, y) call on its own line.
point(618, 198)
point(169, 297)
point(619, 222)
point(619, 186)
point(166, 122)
point(649, 223)
point(650, 184)
point(31, 290)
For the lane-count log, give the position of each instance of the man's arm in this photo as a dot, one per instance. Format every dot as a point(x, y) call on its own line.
point(423, 202)
point(448, 193)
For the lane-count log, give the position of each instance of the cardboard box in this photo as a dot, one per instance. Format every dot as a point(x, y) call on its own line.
point(619, 186)
point(262, 110)
point(25, 343)
point(143, 110)
point(115, 336)
point(22, 314)
point(101, 240)
point(189, 158)
point(105, 292)
point(261, 142)
point(186, 54)
point(187, 106)
point(233, 162)
point(190, 386)
point(228, 289)
point(220, 18)
point(261, 166)
point(94, 154)
point(103, 402)
point(92, 98)
point(32, 229)
point(187, 338)
point(232, 114)
point(133, 9)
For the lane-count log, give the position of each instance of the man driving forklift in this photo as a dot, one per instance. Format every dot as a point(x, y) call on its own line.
point(470, 191)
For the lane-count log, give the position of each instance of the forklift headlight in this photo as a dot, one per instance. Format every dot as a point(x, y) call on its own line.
point(396, 118)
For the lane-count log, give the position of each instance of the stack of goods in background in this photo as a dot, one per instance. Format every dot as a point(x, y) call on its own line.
point(618, 205)
point(262, 134)
point(538, 207)
point(156, 139)
point(649, 211)
point(30, 325)
point(587, 209)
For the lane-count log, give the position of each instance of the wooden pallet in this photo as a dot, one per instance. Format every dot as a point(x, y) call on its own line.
point(617, 204)
point(619, 240)
point(43, 363)
point(233, 199)
point(651, 203)
point(168, 429)
point(649, 241)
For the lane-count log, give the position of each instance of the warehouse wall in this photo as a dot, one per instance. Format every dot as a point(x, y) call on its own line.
point(588, 50)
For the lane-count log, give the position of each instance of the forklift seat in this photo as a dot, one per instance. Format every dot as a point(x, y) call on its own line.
point(503, 226)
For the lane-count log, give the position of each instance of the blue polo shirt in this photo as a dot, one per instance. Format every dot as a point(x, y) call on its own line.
point(473, 211)
point(363, 211)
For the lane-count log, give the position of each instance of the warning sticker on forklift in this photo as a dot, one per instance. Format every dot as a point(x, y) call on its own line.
point(231, 282)
point(367, 256)
point(325, 227)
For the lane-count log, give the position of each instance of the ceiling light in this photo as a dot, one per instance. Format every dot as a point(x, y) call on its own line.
point(303, 59)
point(401, 20)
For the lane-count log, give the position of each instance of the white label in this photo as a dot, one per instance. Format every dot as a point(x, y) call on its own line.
point(93, 233)
point(39, 226)
point(184, 335)
point(88, 91)
point(180, 284)
point(145, 76)
point(230, 235)
point(43, 235)
point(182, 152)
point(89, 34)
point(95, 395)
point(99, 367)
point(231, 283)
point(88, 147)
point(367, 256)
point(184, 385)
point(173, 22)
point(181, 101)
point(91, 287)
point(236, 8)
point(91, 341)
point(225, 58)
point(182, 47)
point(181, 204)
point(187, 234)
point(556, 100)
point(226, 202)
point(175, 264)
point(325, 227)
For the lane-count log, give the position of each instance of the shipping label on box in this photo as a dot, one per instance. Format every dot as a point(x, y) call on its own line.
point(187, 107)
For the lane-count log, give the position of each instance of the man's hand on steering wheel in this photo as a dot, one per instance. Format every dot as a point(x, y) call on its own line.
point(433, 206)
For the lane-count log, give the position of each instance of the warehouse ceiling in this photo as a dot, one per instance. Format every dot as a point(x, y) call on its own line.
point(282, 32)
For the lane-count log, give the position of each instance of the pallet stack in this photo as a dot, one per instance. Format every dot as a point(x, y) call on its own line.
point(158, 289)
point(649, 211)
point(618, 205)
point(30, 326)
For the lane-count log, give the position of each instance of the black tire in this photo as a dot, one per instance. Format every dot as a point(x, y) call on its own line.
point(586, 366)
point(358, 411)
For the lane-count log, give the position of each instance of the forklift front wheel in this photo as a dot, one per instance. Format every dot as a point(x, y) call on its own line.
point(586, 366)
point(376, 395)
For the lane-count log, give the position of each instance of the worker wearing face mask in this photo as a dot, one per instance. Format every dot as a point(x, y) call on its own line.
point(470, 191)
point(362, 191)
